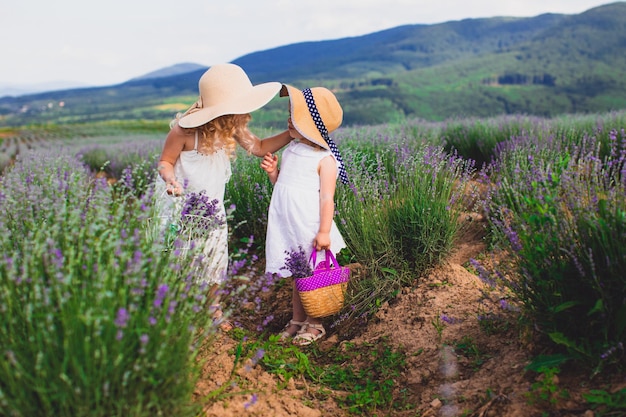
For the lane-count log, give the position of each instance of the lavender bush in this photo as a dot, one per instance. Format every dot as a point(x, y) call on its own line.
point(130, 164)
point(399, 214)
point(99, 319)
point(478, 139)
point(249, 190)
point(562, 212)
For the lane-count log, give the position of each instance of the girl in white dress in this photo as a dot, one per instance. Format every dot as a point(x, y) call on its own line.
point(199, 147)
point(302, 206)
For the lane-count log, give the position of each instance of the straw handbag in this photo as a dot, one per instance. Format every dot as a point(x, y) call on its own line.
point(323, 293)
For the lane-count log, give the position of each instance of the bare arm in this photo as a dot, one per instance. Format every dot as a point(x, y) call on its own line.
point(259, 147)
point(328, 183)
point(174, 144)
point(270, 165)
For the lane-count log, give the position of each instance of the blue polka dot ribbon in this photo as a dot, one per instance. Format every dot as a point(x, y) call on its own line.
point(308, 96)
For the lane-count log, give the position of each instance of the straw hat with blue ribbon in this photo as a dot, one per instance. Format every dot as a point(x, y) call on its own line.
point(315, 113)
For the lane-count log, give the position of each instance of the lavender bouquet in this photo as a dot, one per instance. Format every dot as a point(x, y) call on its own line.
point(200, 215)
point(297, 263)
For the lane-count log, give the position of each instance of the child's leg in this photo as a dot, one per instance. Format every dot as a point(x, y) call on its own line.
point(299, 313)
point(313, 329)
point(298, 309)
point(298, 316)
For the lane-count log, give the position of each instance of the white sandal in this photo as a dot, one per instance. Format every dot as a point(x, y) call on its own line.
point(304, 337)
point(284, 335)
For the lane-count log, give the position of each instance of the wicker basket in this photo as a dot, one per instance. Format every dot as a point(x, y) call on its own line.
point(323, 293)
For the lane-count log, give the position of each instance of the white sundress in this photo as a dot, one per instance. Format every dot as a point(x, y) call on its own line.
point(201, 172)
point(294, 212)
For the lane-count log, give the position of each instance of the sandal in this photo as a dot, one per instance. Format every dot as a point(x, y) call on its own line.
point(284, 335)
point(306, 337)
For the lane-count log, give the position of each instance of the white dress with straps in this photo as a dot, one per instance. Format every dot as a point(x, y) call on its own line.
point(294, 213)
point(201, 172)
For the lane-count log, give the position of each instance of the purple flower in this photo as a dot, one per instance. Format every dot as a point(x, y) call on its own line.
point(446, 319)
point(201, 214)
point(483, 274)
point(253, 399)
point(172, 307)
point(267, 320)
point(161, 293)
point(297, 263)
point(122, 318)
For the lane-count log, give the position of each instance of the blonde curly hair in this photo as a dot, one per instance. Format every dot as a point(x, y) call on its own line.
point(221, 130)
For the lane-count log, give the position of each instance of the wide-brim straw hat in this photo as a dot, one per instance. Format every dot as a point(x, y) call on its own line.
point(327, 106)
point(226, 89)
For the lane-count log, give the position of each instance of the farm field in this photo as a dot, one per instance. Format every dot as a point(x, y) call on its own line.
point(486, 257)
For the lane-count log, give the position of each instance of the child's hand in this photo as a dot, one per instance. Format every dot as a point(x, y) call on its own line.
point(322, 241)
point(269, 163)
point(174, 188)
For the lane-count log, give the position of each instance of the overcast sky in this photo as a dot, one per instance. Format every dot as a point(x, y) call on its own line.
point(108, 42)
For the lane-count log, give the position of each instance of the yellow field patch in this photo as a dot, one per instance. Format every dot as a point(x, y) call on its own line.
point(172, 107)
point(7, 133)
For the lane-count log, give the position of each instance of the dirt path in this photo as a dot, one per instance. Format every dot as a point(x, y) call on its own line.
point(456, 366)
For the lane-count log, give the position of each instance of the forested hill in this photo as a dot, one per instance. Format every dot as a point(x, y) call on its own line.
point(545, 65)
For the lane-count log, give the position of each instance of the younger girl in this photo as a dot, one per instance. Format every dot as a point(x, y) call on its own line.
point(302, 205)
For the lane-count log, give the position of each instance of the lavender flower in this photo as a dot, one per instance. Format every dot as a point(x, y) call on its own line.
point(253, 399)
point(200, 215)
point(122, 318)
point(483, 274)
point(446, 319)
point(121, 321)
point(297, 263)
point(161, 293)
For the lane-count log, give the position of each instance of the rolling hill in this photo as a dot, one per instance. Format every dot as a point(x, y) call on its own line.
point(545, 65)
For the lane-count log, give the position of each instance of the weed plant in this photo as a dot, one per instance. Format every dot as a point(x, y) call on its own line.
point(607, 403)
point(99, 319)
point(367, 373)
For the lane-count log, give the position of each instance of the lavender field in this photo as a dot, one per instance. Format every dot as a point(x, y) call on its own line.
point(103, 317)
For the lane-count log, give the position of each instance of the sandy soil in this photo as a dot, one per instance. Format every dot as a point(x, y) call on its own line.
point(441, 379)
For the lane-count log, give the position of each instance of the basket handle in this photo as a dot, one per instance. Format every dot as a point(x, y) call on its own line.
point(329, 257)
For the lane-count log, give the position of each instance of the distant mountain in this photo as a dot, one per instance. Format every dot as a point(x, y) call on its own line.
point(177, 69)
point(545, 65)
point(396, 50)
point(20, 90)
